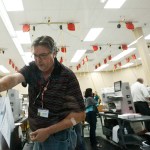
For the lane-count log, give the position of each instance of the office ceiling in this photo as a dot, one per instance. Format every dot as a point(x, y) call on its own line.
point(85, 14)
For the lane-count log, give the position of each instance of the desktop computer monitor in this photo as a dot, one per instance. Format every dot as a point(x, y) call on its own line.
point(117, 86)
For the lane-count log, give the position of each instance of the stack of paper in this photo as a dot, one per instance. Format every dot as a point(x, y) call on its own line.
point(129, 115)
point(6, 120)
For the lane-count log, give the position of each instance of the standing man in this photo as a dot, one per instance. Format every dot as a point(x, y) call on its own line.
point(55, 99)
point(140, 97)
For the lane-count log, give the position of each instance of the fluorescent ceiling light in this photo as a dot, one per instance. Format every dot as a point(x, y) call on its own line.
point(134, 42)
point(77, 56)
point(147, 37)
point(93, 34)
point(23, 37)
point(9, 27)
point(3, 69)
point(127, 65)
point(6, 20)
point(114, 4)
point(102, 1)
point(122, 54)
point(13, 5)
point(101, 67)
point(18, 46)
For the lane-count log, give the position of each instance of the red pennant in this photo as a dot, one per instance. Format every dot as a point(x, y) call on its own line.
point(99, 65)
point(95, 47)
point(10, 61)
point(105, 61)
point(61, 60)
point(109, 57)
point(71, 26)
point(115, 66)
point(63, 49)
point(127, 60)
point(16, 69)
point(124, 46)
point(86, 59)
point(83, 62)
point(77, 67)
point(129, 25)
point(133, 56)
point(120, 64)
point(13, 65)
point(26, 28)
point(95, 66)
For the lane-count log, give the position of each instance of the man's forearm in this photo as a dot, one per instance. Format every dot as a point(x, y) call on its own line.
point(5, 83)
point(10, 81)
point(67, 122)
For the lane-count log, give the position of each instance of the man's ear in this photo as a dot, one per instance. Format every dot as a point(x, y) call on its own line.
point(54, 54)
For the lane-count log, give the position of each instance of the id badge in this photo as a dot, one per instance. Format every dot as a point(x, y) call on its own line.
point(43, 112)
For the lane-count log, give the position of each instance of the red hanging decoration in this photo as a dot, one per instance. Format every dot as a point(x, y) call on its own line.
point(124, 46)
point(105, 61)
point(98, 64)
point(77, 67)
point(95, 47)
point(61, 60)
point(71, 26)
point(120, 64)
point(129, 25)
point(133, 56)
point(95, 66)
point(83, 62)
point(127, 60)
point(109, 57)
point(86, 59)
point(13, 65)
point(26, 28)
point(63, 49)
point(16, 68)
point(10, 61)
point(115, 66)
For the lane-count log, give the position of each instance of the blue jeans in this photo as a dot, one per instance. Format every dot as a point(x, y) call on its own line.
point(80, 139)
point(63, 140)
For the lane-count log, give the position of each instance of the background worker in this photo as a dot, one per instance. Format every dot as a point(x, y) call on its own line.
point(91, 118)
point(141, 97)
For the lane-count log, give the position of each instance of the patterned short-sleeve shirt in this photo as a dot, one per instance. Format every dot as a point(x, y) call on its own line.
point(63, 94)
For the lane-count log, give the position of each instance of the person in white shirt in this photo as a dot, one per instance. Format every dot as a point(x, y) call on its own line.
point(141, 97)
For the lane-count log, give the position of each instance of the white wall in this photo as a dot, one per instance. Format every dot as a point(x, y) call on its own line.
point(96, 81)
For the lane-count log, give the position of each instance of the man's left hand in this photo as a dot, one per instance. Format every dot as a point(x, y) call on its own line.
point(39, 135)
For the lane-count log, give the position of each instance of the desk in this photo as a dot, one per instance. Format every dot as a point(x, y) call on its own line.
point(124, 139)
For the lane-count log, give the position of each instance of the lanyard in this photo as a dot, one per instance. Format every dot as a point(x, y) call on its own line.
point(44, 90)
point(42, 93)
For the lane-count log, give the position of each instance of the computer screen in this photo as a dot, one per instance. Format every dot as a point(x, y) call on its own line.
point(117, 86)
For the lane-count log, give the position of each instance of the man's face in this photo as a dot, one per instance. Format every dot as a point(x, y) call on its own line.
point(44, 59)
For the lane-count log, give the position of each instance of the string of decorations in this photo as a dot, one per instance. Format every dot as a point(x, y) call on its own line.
point(12, 64)
point(128, 59)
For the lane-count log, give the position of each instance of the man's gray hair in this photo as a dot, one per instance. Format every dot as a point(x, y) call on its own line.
point(47, 42)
